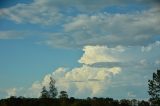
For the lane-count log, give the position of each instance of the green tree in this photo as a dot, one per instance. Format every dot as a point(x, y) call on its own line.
point(52, 89)
point(154, 88)
point(44, 93)
point(63, 94)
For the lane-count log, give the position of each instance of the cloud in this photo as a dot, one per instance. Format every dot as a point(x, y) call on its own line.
point(135, 29)
point(129, 73)
point(91, 5)
point(77, 28)
point(137, 67)
point(96, 54)
point(17, 91)
point(81, 81)
point(34, 90)
point(157, 62)
point(151, 46)
point(11, 92)
point(121, 56)
point(120, 49)
point(131, 95)
point(12, 34)
point(32, 13)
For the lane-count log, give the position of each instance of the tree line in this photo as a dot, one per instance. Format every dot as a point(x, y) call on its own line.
point(53, 92)
point(50, 97)
point(19, 101)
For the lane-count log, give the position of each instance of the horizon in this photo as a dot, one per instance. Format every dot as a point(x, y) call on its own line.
point(91, 48)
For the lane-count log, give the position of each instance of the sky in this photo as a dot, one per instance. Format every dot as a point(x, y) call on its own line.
point(92, 48)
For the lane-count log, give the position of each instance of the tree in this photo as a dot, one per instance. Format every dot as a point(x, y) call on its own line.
point(44, 93)
point(154, 87)
point(143, 103)
point(63, 94)
point(124, 102)
point(52, 89)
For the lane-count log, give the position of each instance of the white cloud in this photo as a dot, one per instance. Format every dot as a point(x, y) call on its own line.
point(151, 46)
point(130, 74)
point(11, 92)
point(81, 81)
point(130, 29)
point(95, 54)
point(90, 80)
point(134, 62)
point(32, 13)
point(82, 29)
point(34, 90)
point(143, 62)
point(18, 91)
point(121, 56)
point(157, 62)
point(131, 95)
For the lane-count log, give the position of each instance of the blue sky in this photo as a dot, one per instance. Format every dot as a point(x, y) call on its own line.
point(92, 48)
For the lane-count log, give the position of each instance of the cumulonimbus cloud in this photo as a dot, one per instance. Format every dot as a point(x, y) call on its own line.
point(96, 54)
point(81, 79)
point(91, 80)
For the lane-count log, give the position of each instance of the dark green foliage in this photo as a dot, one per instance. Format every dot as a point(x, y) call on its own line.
point(154, 88)
point(143, 103)
point(44, 93)
point(52, 89)
point(63, 94)
point(125, 102)
point(52, 93)
point(67, 102)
